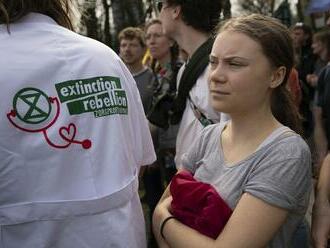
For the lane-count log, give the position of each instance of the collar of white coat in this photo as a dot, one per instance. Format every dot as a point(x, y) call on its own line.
point(34, 17)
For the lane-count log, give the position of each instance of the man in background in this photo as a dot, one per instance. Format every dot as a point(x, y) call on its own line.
point(305, 61)
point(190, 24)
point(132, 48)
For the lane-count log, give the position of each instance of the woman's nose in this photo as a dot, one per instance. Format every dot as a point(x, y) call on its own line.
point(217, 74)
point(152, 39)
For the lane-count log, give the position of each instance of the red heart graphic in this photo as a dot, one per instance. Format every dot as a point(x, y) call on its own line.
point(68, 133)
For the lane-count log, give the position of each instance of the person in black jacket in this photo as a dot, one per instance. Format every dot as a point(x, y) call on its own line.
point(305, 61)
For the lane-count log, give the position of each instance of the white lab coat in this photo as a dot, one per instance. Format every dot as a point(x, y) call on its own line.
point(72, 138)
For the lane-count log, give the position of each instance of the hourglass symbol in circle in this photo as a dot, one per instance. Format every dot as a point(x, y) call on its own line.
point(34, 112)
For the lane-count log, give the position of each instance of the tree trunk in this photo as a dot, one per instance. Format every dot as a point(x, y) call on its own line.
point(149, 10)
point(118, 14)
point(107, 35)
point(272, 6)
point(89, 19)
point(300, 12)
point(227, 9)
point(127, 13)
point(134, 12)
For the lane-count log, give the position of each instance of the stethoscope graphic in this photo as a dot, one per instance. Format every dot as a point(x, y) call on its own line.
point(31, 96)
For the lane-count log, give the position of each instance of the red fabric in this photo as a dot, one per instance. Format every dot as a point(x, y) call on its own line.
point(294, 86)
point(198, 205)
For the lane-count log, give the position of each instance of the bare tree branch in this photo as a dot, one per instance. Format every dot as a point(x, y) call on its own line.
point(257, 6)
point(226, 9)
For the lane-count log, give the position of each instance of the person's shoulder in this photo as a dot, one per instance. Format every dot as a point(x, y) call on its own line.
point(324, 77)
point(203, 79)
point(212, 131)
point(290, 145)
point(94, 46)
point(325, 71)
point(95, 53)
point(146, 71)
point(144, 75)
point(295, 142)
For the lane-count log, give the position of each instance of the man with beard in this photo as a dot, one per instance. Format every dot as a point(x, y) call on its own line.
point(132, 48)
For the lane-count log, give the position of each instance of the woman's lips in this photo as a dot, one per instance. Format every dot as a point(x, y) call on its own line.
point(219, 92)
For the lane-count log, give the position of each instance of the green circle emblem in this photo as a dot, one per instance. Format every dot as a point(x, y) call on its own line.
point(32, 105)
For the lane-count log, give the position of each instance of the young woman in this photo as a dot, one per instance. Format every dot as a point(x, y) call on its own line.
point(256, 161)
point(165, 66)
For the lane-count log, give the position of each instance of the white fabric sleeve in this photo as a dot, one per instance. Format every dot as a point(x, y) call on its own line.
point(144, 149)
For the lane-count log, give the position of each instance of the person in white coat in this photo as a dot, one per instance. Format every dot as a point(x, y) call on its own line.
point(73, 135)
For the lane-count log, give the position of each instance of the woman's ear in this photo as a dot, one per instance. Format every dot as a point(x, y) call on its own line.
point(176, 11)
point(278, 77)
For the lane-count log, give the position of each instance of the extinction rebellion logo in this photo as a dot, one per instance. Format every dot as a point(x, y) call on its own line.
point(101, 95)
point(33, 111)
point(32, 106)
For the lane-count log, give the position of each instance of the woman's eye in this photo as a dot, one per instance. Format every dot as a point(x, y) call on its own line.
point(212, 62)
point(235, 64)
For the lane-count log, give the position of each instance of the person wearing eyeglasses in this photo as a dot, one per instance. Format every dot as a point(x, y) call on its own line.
point(190, 24)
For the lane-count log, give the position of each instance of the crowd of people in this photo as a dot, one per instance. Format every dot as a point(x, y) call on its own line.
point(225, 124)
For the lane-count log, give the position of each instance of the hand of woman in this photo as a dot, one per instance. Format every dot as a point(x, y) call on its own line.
point(162, 211)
